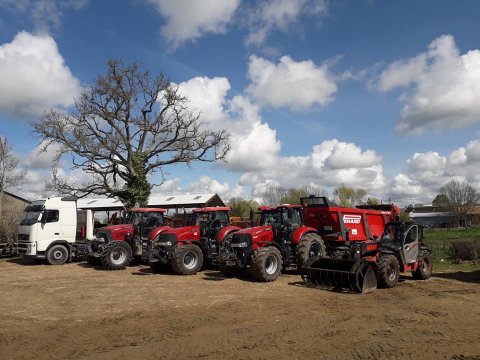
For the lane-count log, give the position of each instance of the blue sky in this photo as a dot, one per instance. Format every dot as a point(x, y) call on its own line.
point(379, 95)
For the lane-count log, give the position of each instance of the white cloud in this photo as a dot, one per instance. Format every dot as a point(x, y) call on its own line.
point(40, 160)
point(190, 20)
point(45, 14)
point(34, 76)
point(442, 87)
point(278, 15)
point(298, 85)
point(425, 173)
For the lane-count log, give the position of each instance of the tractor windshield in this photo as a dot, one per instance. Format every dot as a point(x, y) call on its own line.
point(271, 218)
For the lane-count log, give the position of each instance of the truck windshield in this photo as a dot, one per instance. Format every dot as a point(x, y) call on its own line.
point(32, 213)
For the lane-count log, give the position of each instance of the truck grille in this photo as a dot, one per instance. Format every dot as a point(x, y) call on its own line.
point(24, 237)
point(22, 247)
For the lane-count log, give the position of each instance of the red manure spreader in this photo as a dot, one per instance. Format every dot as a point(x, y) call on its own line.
point(366, 246)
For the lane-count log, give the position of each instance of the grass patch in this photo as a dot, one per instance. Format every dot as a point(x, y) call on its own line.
point(441, 243)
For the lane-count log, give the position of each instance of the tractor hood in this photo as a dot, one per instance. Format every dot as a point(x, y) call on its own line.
point(182, 234)
point(257, 233)
point(116, 232)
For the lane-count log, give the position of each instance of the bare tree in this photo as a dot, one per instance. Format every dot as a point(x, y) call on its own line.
point(276, 195)
point(348, 197)
point(125, 127)
point(459, 198)
point(10, 175)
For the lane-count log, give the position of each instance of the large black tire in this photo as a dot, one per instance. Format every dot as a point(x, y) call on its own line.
point(57, 255)
point(187, 259)
point(310, 245)
point(424, 269)
point(116, 255)
point(267, 264)
point(387, 271)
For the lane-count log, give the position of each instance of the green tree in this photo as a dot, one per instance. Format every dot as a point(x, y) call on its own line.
point(241, 207)
point(125, 127)
point(348, 197)
point(276, 195)
point(459, 198)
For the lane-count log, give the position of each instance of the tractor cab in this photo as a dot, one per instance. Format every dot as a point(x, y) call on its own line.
point(211, 220)
point(404, 239)
point(144, 220)
point(283, 219)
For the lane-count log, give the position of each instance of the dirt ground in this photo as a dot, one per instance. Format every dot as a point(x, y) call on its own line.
point(75, 311)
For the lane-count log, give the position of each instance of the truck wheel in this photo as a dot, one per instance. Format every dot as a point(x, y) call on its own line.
point(57, 255)
point(387, 271)
point(310, 245)
point(116, 255)
point(424, 269)
point(187, 259)
point(267, 264)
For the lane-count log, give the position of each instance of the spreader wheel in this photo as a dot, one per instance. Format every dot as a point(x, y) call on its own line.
point(387, 271)
point(267, 264)
point(116, 255)
point(424, 269)
point(309, 246)
point(187, 259)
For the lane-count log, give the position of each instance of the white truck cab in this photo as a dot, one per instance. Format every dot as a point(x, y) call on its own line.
point(53, 229)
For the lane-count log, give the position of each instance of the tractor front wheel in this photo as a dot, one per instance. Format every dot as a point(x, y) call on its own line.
point(267, 264)
point(309, 246)
point(187, 259)
point(387, 271)
point(116, 255)
point(424, 269)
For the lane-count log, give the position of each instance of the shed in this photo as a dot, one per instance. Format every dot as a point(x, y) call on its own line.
point(185, 201)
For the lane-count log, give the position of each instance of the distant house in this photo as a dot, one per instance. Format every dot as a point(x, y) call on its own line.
point(438, 217)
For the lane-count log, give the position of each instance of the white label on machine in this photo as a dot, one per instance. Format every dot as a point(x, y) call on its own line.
point(352, 219)
point(354, 232)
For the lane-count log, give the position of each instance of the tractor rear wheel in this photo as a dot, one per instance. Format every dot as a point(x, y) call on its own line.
point(309, 246)
point(387, 271)
point(267, 264)
point(424, 269)
point(187, 259)
point(57, 255)
point(116, 255)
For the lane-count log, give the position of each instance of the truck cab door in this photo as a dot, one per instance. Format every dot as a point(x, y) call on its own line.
point(410, 244)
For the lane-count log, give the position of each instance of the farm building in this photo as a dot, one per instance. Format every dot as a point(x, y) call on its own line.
point(437, 217)
point(13, 204)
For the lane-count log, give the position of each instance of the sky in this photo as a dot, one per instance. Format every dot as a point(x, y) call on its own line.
point(378, 95)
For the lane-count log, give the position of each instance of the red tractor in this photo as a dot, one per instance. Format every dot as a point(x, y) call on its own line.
point(366, 246)
point(185, 249)
point(116, 245)
point(281, 240)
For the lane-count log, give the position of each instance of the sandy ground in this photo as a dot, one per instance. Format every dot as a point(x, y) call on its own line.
point(75, 311)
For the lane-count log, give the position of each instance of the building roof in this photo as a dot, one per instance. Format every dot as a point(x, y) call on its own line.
point(16, 197)
point(100, 204)
point(191, 200)
point(158, 201)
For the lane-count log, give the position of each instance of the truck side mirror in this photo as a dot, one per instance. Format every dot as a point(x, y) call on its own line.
point(43, 220)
